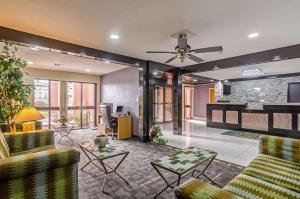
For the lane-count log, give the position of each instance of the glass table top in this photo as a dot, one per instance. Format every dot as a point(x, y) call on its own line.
point(184, 160)
point(108, 151)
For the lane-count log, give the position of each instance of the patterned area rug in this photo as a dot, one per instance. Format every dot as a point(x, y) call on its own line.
point(243, 134)
point(144, 182)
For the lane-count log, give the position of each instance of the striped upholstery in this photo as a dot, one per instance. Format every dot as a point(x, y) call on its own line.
point(274, 174)
point(283, 148)
point(58, 183)
point(32, 163)
point(196, 189)
point(36, 169)
point(23, 141)
point(250, 187)
point(277, 171)
point(4, 150)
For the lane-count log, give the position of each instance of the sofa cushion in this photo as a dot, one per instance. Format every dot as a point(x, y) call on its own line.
point(197, 189)
point(274, 170)
point(280, 147)
point(250, 187)
point(4, 150)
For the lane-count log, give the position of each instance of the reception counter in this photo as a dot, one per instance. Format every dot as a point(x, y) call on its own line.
point(274, 119)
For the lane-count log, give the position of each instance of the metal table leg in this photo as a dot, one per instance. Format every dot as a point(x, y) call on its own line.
point(166, 181)
point(202, 173)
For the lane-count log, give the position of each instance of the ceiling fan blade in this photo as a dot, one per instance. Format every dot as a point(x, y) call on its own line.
point(169, 60)
point(195, 58)
point(182, 42)
point(168, 52)
point(209, 49)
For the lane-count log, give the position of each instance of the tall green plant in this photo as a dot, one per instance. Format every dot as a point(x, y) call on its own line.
point(14, 93)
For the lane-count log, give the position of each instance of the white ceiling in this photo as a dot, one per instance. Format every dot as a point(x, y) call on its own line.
point(45, 59)
point(147, 25)
point(271, 68)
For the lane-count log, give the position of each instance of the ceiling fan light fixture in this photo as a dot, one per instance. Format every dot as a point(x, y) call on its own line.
point(253, 35)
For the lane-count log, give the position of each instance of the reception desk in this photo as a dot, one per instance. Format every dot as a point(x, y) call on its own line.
point(274, 119)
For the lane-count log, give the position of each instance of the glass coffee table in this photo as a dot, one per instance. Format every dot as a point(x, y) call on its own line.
point(93, 153)
point(182, 163)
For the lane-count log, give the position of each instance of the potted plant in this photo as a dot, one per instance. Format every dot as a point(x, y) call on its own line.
point(14, 93)
point(156, 136)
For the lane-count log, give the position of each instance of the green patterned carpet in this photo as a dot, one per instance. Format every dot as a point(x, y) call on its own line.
point(242, 134)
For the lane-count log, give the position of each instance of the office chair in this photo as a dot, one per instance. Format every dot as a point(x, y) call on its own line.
point(107, 120)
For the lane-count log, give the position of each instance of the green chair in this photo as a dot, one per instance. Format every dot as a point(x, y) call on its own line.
point(31, 167)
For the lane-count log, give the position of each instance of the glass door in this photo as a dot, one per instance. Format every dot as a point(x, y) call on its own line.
point(188, 102)
point(47, 100)
point(82, 104)
point(162, 105)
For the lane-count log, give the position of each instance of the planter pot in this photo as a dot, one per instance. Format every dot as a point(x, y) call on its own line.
point(101, 141)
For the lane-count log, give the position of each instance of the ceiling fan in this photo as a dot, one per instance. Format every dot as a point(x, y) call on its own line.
point(183, 50)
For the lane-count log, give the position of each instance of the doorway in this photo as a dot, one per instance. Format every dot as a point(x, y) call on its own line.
point(162, 105)
point(188, 102)
point(82, 104)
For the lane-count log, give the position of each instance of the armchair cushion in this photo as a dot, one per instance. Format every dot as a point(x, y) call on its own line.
point(197, 189)
point(250, 187)
point(4, 150)
point(279, 147)
point(274, 170)
point(29, 164)
point(21, 142)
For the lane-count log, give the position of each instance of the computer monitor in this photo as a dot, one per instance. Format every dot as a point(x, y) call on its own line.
point(119, 109)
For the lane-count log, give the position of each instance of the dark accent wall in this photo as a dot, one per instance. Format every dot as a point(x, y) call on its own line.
point(201, 99)
point(122, 88)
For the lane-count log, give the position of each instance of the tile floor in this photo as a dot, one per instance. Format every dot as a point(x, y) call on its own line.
point(231, 149)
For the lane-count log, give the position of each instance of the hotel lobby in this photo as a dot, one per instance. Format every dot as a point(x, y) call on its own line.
point(150, 99)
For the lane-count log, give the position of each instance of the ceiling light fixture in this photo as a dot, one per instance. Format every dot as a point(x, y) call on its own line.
point(194, 80)
point(155, 73)
point(107, 61)
point(226, 81)
point(114, 36)
point(216, 67)
point(87, 70)
point(29, 62)
point(211, 80)
point(253, 35)
point(251, 72)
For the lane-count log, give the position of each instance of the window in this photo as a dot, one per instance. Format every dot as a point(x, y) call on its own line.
point(82, 104)
point(46, 99)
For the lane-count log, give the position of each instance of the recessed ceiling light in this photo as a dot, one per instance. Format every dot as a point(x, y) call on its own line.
point(155, 73)
point(87, 70)
point(225, 80)
point(253, 35)
point(34, 48)
point(107, 61)
point(216, 67)
point(114, 36)
point(211, 80)
point(29, 62)
point(194, 80)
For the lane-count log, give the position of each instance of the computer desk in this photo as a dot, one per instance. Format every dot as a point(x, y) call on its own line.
point(124, 128)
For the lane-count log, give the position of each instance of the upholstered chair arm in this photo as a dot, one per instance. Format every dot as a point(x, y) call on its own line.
point(197, 189)
point(24, 141)
point(33, 163)
point(280, 147)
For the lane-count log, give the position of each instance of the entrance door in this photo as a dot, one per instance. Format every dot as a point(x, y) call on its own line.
point(82, 104)
point(162, 105)
point(188, 102)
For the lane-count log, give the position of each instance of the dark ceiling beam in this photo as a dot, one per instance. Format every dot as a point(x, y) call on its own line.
point(278, 54)
point(31, 39)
